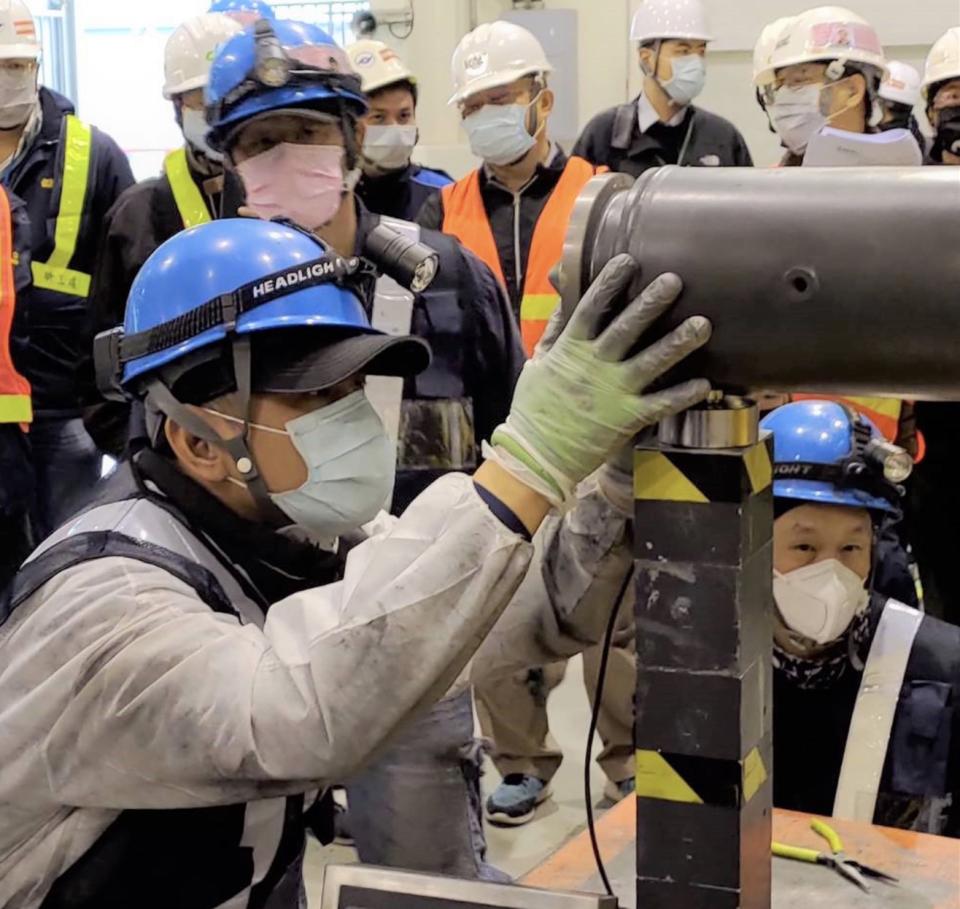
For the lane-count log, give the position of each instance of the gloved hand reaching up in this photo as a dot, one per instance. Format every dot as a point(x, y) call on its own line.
point(578, 399)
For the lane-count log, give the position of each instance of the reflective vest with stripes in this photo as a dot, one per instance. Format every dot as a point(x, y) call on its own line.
point(465, 217)
point(190, 202)
point(56, 274)
point(15, 405)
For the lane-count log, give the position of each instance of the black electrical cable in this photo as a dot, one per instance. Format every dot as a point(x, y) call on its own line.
point(594, 720)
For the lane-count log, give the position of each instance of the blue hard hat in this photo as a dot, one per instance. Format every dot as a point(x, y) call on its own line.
point(256, 7)
point(323, 79)
point(249, 276)
point(814, 442)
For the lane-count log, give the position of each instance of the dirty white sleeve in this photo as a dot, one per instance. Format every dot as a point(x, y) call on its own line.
point(563, 605)
point(139, 696)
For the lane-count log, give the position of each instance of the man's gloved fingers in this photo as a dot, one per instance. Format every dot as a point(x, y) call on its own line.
point(627, 329)
point(661, 404)
point(655, 360)
point(595, 306)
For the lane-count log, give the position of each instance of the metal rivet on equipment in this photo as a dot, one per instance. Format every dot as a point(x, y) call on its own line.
point(244, 465)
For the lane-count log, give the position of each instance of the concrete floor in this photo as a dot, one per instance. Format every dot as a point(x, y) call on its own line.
point(519, 849)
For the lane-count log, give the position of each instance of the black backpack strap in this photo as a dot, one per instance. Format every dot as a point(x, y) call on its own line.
point(104, 544)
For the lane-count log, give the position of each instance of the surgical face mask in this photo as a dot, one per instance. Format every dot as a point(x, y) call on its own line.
point(498, 132)
point(388, 148)
point(304, 183)
point(194, 126)
point(18, 94)
point(796, 115)
point(351, 466)
point(819, 601)
point(948, 133)
point(689, 76)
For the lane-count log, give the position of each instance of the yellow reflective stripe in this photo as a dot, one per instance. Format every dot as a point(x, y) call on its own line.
point(73, 191)
point(538, 307)
point(656, 779)
point(62, 280)
point(190, 203)
point(15, 409)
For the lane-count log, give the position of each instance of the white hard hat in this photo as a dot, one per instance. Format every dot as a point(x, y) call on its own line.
point(493, 54)
point(665, 19)
point(18, 32)
point(901, 84)
point(943, 61)
point(377, 65)
point(763, 72)
point(190, 50)
point(829, 33)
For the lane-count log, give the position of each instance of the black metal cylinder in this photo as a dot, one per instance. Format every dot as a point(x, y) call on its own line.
point(815, 279)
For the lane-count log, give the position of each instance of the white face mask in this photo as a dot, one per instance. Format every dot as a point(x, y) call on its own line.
point(387, 148)
point(351, 466)
point(796, 115)
point(18, 95)
point(195, 132)
point(819, 601)
point(498, 132)
point(689, 77)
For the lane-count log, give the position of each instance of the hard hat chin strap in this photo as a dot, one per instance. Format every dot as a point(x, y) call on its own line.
point(166, 402)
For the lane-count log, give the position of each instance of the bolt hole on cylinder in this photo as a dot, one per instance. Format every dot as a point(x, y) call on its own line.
point(815, 279)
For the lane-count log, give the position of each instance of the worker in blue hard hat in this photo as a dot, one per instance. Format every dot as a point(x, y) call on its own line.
point(188, 192)
point(186, 664)
point(246, 12)
point(865, 725)
point(285, 107)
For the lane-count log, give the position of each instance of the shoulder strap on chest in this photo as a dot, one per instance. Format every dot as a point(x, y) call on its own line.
point(874, 711)
point(623, 121)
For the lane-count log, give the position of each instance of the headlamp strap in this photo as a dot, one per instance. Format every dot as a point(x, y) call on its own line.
point(225, 310)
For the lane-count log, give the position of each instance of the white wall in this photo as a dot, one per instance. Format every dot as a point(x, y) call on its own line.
point(607, 63)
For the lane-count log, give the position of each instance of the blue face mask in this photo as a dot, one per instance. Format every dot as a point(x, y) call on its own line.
point(498, 132)
point(689, 76)
point(351, 465)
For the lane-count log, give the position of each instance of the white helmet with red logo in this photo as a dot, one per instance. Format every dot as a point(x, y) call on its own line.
point(901, 85)
point(18, 32)
point(377, 65)
point(827, 34)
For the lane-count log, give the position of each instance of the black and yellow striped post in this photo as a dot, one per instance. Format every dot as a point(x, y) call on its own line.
point(704, 523)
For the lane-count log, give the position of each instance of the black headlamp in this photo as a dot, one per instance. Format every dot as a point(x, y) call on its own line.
point(274, 68)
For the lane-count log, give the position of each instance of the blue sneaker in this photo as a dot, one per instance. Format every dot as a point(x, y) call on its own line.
point(515, 800)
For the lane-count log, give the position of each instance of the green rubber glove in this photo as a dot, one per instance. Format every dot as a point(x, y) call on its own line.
point(578, 400)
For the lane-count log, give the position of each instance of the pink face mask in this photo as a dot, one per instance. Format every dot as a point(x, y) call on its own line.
point(301, 182)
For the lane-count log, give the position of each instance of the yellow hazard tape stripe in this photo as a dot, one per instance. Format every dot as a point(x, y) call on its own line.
point(656, 779)
point(759, 468)
point(657, 478)
point(754, 775)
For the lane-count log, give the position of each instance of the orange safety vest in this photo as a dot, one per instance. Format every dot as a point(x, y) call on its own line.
point(883, 412)
point(465, 218)
point(15, 402)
